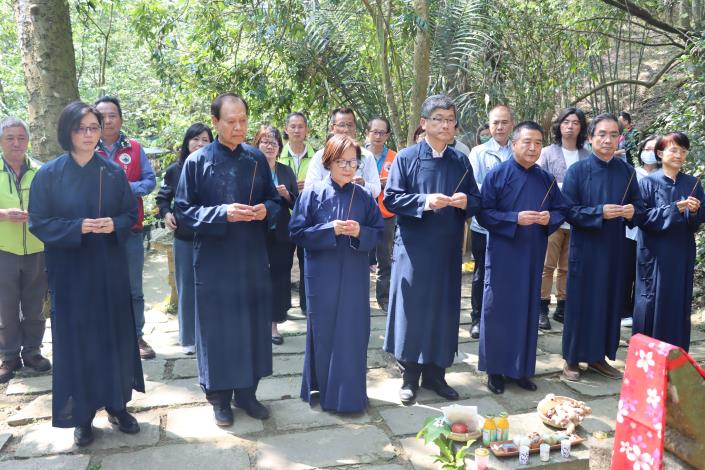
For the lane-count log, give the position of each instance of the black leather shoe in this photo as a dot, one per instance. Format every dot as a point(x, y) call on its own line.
point(83, 435)
point(254, 409)
point(526, 384)
point(125, 421)
point(407, 394)
point(559, 313)
point(544, 322)
point(475, 330)
point(495, 382)
point(441, 388)
point(223, 415)
point(277, 340)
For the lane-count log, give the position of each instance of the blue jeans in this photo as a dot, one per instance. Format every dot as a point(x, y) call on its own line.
point(134, 247)
point(183, 274)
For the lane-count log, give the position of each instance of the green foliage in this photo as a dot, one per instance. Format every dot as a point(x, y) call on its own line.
point(12, 90)
point(451, 456)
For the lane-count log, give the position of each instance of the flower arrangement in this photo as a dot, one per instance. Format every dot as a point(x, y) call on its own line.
point(451, 455)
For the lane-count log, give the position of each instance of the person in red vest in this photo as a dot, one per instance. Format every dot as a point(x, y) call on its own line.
point(377, 131)
point(130, 156)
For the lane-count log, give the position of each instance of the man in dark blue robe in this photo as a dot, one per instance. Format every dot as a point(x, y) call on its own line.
point(603, 194)
point(226, 196)
point(432, 190)
point(521, 207)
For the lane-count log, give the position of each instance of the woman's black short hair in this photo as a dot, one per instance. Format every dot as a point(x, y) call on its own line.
point(70, 120)
point(195, 129)
point(562, 116)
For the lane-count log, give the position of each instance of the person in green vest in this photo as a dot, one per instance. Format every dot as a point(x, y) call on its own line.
point(23, 282)
point(297, 154)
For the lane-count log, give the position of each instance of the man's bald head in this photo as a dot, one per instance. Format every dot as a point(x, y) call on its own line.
point(501, 120)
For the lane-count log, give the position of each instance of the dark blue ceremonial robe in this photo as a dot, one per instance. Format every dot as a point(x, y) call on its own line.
point(514, 265)
point(666, 259)
point(424, 297)
point(96, 359)
point(231, 267)
point(595, 274)
point(337, 280)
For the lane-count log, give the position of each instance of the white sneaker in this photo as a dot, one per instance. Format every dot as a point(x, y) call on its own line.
point(626, 322)
point(188, 350)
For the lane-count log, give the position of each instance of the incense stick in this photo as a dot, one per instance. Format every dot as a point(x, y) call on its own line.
point(626, 190)
point(100, 193)
point(547, 193)
point(252, 188)
point(351, 201)
point(694, 187)
point(460, 182)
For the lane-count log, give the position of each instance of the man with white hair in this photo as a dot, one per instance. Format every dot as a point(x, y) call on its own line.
point(23, 282)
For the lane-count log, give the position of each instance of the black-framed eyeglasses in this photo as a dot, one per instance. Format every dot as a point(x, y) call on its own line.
point(354, 164)
point(88, 130)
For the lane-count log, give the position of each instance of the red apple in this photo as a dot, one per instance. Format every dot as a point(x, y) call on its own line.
point(460, 428)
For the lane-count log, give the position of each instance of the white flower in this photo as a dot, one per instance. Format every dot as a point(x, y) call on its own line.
point(646, 360)
point(652, 397)
point(624, 447)
point(642, 460)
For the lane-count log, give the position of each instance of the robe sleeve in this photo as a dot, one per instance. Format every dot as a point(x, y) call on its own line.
point(303, 231)
point(558, 207)
point(582, 216)
point(371, 229)
point(397, 196)
point(272, 200)
point(496, 221)
point(634, 198)
point(57, 231)
point(205, 220)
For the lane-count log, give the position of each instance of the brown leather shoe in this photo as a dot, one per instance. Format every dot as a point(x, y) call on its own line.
point(146, 351)
point(8, 368)
point(37, 362)
point(603, 368)
point(571, 372)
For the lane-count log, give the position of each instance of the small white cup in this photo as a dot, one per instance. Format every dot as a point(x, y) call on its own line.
point(545, 450)
point(565, 448)
point(524, 455)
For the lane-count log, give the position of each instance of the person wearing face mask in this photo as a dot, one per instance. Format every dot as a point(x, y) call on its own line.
point(666, 245)
point(483, 134)
point(197, 136)
point(647, 158)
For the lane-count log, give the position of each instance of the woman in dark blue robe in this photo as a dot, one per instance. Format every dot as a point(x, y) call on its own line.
point(82, 208)
point(337, 279)
point(514, 264)
point(666, 246)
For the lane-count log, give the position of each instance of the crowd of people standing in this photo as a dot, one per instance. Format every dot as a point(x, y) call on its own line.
point(619, 238)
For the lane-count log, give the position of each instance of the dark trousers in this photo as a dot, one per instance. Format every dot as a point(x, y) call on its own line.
point(302, 284)
point(478, 248)
point(384, 261)
point(242, 396)
point(281, 259)
point(412, 371)
point(629, 276)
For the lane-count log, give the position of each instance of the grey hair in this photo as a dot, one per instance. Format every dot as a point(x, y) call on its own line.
point(435, 102)
point(11, 121)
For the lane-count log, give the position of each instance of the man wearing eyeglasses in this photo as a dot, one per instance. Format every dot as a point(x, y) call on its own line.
point(483, 158)
point(432, 191)
point(129, 155)
point(377, 131)
point(342, 122)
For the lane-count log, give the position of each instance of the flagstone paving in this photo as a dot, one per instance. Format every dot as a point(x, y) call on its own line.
point(178, 431)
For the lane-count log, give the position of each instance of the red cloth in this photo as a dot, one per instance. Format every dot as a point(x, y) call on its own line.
point(641, 415)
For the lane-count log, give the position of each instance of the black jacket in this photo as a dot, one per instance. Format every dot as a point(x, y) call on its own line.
point(165, 199)
point(285, 176)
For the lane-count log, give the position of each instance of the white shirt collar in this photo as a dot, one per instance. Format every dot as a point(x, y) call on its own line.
point(434, 152)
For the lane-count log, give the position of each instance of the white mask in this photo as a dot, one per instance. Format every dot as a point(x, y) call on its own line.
point(648, 157)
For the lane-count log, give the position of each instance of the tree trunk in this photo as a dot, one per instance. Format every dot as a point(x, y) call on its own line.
point(422, 47)
point(46, 43)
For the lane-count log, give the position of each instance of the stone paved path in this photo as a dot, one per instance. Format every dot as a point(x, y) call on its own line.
point(178, 431)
